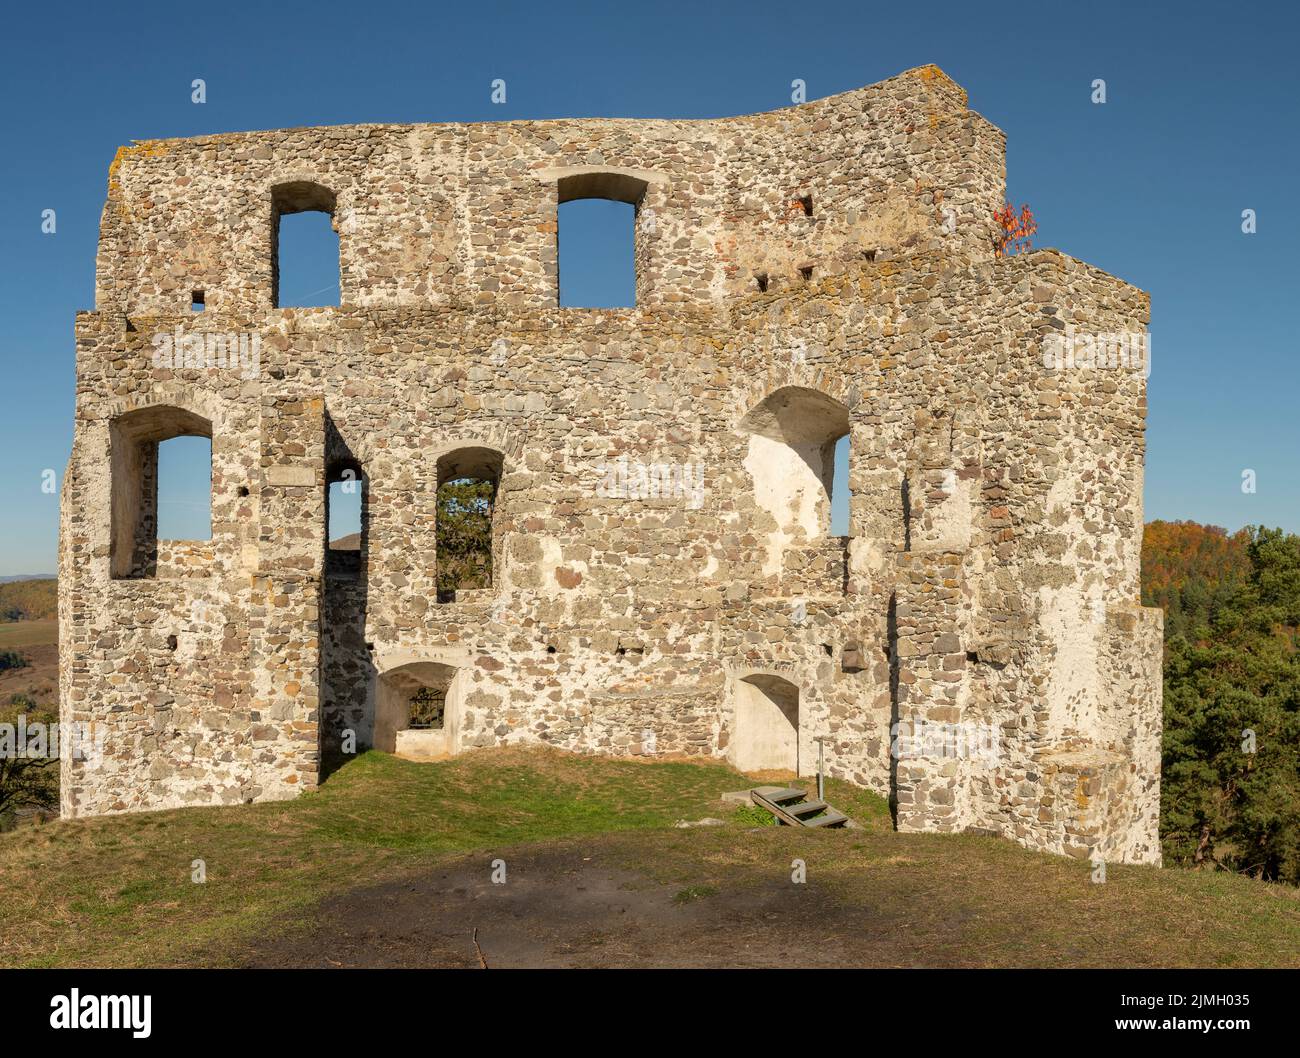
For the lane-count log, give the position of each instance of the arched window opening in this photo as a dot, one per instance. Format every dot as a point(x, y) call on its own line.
point(597, 240)
point(765, 734)
point(345, 513)
point(161, 466)
point(794, 447)
point(305, 246)
point(468, 479)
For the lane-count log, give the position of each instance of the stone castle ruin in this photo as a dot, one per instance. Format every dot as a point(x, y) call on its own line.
point(664, 581)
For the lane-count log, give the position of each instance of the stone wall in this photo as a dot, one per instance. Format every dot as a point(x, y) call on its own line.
point(663, 563)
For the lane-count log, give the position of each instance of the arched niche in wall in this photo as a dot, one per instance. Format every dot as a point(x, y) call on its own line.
point(765, 724)
point(418, 709)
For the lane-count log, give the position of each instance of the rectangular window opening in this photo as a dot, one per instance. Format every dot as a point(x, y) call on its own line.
point(307, 260)
point(345, 505)
point(428, 707)
point(840, 489)
point(185, 488)
point(345, 514)
point(597, 262)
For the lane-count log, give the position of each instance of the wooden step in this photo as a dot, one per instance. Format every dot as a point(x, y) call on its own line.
point(781, 811)
point(793, 808)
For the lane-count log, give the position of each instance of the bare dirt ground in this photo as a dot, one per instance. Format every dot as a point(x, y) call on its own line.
point(575, 907)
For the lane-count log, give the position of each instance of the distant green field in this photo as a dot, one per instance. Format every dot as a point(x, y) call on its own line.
point(15, 635)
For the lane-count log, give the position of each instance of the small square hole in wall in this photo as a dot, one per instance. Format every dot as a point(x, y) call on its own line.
point(869, 255)
point(806, 273)
point(806, 202)
point(761, 280)
point(196, 301)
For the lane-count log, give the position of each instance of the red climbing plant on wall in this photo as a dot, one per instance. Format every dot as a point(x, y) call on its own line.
point(1014, 230)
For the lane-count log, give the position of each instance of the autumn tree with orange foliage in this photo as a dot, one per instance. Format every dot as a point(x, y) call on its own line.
point(1015, 230)
point(1188, 569)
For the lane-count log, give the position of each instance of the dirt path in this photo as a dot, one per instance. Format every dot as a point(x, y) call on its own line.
point(568, 908)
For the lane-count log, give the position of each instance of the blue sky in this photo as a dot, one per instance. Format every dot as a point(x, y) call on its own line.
point(1201, 122)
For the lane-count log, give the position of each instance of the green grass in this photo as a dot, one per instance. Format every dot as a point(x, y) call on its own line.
point(17, 634)
point(753, 816)
point(117, 891)
point(692, 893)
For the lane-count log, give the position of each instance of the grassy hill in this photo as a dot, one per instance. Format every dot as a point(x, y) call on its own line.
point(29, 600)
point(389, 863)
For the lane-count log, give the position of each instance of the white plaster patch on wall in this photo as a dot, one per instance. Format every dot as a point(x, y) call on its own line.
point(1068, 618)
point(951, 518)
point(1060, 497)
point(787, 487)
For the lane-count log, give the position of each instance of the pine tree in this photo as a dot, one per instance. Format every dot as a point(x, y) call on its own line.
point(1230, 793)
point(464, 535)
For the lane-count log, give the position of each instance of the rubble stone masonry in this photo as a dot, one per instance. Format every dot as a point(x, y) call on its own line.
point(664, 580)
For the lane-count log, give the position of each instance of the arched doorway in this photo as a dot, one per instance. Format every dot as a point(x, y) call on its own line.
point(765, 724)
